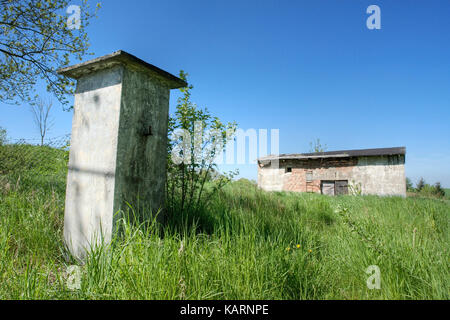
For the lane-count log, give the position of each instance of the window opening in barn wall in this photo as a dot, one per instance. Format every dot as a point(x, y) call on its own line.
point(288, 169)
point(309, 181)
point(309, 176)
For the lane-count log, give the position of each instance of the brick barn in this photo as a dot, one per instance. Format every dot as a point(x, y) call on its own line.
point(368, 171)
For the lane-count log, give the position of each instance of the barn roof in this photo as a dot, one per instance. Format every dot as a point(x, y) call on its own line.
point(339, 154)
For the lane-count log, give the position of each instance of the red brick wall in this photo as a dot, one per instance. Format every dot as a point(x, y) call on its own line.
point(296, 180)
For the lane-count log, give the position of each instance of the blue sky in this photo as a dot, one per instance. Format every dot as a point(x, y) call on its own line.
point(311, 69)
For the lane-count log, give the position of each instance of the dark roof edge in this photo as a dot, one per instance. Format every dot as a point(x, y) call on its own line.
point(120, 56)
point(339, 154)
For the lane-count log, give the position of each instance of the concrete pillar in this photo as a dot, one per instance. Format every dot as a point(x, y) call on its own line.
point(118, 145)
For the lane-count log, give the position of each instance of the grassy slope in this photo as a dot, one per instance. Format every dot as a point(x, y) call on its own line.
point(238, 249)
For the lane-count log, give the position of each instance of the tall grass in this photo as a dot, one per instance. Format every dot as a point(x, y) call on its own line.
point(247, 244)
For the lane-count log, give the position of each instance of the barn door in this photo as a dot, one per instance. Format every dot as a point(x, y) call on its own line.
point(328, 188)
point(341, 187)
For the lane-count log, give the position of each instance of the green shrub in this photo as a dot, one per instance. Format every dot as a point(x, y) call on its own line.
point(196, 137)
point(432, 191)
point(439, 191)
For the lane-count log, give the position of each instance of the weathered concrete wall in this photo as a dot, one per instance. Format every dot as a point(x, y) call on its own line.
point(142, 145)
point(92, 161)
point(382, 175)
point(119, 145)
point(118, 153)
point(271, 179)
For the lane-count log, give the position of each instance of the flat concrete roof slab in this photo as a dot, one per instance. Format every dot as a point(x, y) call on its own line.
point(124, 58)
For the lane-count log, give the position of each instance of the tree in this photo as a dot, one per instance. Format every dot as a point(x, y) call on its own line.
point(36, 38)
point(316, 146)
point(41, 117)
point(439, 191)
point(196, 138)
point(421, 184)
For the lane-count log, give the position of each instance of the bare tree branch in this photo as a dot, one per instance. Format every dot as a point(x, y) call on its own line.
point(41, 117)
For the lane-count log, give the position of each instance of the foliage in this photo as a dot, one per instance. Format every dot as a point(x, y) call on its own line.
point(316, 146)
point(432, 191)
point(35, 40)
point(427, 191)
point(439, 191)
point(424, 189)
point(420, 185)
point(196, 138)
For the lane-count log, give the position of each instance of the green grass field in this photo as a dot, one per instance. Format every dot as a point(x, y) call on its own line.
point(249, 244)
